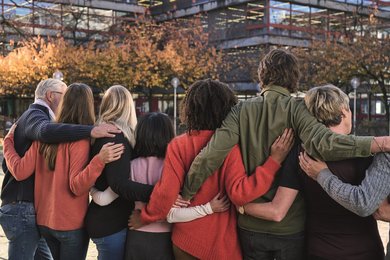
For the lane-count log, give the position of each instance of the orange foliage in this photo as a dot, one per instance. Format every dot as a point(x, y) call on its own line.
point(147, 55)
point(366, 57)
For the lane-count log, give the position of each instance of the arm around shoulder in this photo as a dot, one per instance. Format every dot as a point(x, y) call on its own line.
point(20, 168)
point(364, 199)
point(320, 142)
point(212, 156)
point(275, 210)
point(118, 172)
point(82, 173)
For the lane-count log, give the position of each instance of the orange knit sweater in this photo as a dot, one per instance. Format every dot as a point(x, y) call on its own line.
point(61, 196)
point(213, 236)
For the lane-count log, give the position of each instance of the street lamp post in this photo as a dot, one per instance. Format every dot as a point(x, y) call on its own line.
point(175, 83)
point(388, 104)
point(355, 82)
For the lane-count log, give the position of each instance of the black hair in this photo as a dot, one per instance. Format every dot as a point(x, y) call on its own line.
point(153, 133)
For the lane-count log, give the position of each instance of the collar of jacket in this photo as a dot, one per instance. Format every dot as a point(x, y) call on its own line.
point(274, 88)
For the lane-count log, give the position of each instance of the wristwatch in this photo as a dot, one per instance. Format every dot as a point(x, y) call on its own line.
point(241, 210)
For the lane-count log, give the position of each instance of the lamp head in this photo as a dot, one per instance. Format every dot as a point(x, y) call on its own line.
point(58, 75)
point(355, 82)
point(175, 82)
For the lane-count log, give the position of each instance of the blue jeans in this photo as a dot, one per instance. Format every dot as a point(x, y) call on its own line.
point(71, 244)
point(264, 246)
point(111, 247)
point(19, 225)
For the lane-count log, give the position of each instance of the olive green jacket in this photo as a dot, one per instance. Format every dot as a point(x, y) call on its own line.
point(255, 124)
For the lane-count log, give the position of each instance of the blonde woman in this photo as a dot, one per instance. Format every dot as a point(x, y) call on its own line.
point(107, 225)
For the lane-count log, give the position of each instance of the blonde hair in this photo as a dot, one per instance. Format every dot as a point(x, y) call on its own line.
point(117, 107)
point(326, 104)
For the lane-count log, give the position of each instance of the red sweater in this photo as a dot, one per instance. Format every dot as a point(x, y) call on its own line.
point(213, 236)
point(61, 196)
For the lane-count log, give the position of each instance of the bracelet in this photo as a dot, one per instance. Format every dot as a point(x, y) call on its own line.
point(380, 147)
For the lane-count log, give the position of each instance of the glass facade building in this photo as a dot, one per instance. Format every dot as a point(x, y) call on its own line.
point(231, 24)
point(72, 20)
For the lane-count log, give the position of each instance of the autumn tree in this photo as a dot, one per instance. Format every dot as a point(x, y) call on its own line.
point(23, 68)
point(173, 48)
point(146, 54)
point(336, 62)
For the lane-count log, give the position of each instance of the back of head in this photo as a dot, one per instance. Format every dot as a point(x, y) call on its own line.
point(279, 67)
point(45, 85)
point(76, 106)
point(206, 104)
point(326, 104)
point(117, 107)
point(153, 133)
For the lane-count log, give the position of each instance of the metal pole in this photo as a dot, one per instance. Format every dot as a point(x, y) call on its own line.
point(174, 110)
point(355, 82)
point(354, 112)
point(388, 104)
point(175, 83)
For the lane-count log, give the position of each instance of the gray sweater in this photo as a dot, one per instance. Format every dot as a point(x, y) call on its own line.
point(365, 198)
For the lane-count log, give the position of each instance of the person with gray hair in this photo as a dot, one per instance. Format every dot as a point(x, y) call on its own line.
point(17, 213)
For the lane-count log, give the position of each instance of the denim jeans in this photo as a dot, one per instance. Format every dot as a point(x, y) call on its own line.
point(111, 247)
point(19, 225)
point(72, 244)
point(264, 246)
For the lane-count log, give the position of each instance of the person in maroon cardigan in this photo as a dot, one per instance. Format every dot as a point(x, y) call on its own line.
point(206, 104)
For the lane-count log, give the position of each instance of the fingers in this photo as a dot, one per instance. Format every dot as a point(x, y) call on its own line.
point(286, 140)
point(225, 202)
point(278, 140)
point(111, 152)
point(216, 196)
point(12, 129)
point(180, 203)
point(291, 138)
point(287, 137)
point(303, 162)
point(305, 158)
point(105, 130)
point(220, 204)
point(134, 221)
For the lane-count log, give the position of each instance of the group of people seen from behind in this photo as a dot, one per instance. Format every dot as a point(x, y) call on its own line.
point(271, 177)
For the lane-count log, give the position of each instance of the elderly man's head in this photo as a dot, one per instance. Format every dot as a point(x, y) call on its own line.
point(50, 91)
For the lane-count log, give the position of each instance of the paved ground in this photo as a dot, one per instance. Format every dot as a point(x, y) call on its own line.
point(92, 253)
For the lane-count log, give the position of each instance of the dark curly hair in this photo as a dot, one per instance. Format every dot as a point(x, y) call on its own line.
point(206, 104)
point(279, 67)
